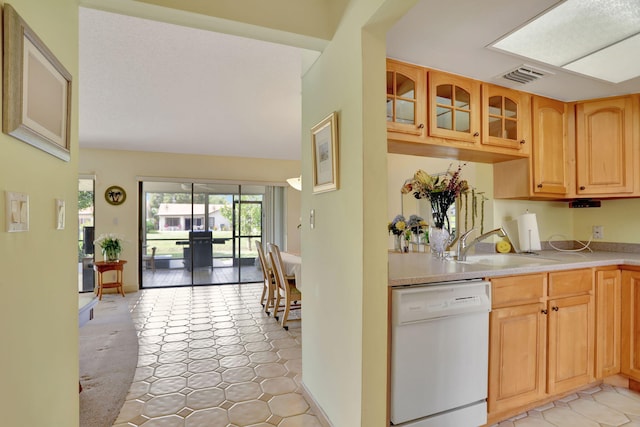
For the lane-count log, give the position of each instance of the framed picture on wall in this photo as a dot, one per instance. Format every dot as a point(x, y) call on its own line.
point(324, 140)
point(36, 89)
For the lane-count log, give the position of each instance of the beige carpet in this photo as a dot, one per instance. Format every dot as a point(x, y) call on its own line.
point(108, 360)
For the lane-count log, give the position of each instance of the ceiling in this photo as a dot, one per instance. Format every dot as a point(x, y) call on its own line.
point(152, 86)
point(453, 36)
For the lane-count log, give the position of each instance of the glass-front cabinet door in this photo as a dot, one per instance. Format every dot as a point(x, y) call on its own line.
point(405, 98)
point(504, 116)
point(454, 107)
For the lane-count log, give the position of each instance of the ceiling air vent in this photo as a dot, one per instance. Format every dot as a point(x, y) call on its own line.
point(525, 74)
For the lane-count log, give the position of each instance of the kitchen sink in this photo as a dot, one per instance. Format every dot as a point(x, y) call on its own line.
point(507, 260)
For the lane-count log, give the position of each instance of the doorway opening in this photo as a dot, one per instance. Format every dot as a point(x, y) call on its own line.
point(203, 233)
point(86, 235)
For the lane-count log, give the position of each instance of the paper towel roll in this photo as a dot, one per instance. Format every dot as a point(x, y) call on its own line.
point(528, 235)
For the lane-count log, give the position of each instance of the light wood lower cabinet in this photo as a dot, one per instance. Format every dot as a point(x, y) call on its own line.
point(541, 338)
point(517, 356)
point(570, 339)
point(608, 287)
point(630, 328)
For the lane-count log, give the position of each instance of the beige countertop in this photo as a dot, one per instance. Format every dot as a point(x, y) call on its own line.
point(419, 268)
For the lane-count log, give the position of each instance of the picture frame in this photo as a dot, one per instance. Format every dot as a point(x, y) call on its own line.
point(17, 211)
point(60, 214)
point(36, 89)
point(115, 195)
point(324, 141)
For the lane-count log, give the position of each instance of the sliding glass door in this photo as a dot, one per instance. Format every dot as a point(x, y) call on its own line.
point(200, 233)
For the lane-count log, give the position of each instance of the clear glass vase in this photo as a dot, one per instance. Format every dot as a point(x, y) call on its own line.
point(439, 240)
point(110, 255)
point(397, 242)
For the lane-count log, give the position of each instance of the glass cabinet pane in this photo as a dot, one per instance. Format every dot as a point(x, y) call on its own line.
point(511, 129)
point(510, 108)
point(405, 111)
point(405, 87)
point(389, 110)
point(495, 105)
point(444, 95)
point(463, 98)
point(463, 121)
point(445, 116)
point(495, 127)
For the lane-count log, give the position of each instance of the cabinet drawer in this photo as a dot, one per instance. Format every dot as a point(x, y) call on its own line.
point(517, 290)
point(570, 282)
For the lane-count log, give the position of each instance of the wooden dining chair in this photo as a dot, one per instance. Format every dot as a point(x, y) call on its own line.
point(286, 292)
point(266, 299)
point(150, 260)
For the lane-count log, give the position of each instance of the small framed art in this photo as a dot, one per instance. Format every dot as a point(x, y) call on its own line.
point(324, 140)
point(36, 99)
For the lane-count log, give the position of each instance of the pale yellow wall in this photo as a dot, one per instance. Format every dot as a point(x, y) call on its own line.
point(345, 256)
point(555, 219)
point(123, 168)
point(319, 21)
point(620, 219)
point(309, 24)
point(39, 280)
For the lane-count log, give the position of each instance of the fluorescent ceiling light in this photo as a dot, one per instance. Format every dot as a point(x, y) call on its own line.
point(592, 37)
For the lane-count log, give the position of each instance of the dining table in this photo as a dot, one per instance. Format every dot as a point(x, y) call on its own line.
point(292, 267)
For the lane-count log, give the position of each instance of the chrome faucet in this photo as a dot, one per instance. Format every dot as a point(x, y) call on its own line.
point(463, 247)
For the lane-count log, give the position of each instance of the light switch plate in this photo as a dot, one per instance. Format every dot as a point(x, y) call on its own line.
point(312, 219)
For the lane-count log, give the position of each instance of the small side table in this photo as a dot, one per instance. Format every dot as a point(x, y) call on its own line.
point(104, 266)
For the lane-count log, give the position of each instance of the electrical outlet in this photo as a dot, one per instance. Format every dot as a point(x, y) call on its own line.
point(598, 232)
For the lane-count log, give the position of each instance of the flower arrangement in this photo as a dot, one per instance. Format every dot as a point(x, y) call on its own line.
point(441, 190)
point(397, 226)
point(417, 225)
point(111, 246)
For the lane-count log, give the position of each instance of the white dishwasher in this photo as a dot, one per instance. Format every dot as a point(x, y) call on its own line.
point(440, 354)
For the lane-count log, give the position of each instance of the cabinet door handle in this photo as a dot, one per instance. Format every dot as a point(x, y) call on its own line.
point(555, 308)
point(582, 187)
point(544, 311)
point(421, 126)
point(539, 185)
point(522, 142)
point(476, 134)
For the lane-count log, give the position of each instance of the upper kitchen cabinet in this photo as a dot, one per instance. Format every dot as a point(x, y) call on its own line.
point(605, 148)
point(454, 107)
point(547, 174)
point(505, 118)
point(405, 98)
point(550, 156)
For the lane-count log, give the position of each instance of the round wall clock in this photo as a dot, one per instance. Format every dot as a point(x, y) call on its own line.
point(115, 195)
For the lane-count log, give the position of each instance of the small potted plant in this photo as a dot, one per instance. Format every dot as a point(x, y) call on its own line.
point(111, 246)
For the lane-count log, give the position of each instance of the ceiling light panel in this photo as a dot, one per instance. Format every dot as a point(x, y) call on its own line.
point(599, 65)
point(573, 30)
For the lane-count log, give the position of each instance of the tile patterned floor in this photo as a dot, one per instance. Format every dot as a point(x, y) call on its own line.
point(209, 356)
point(601, 406)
